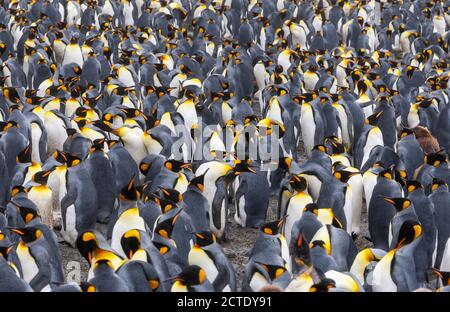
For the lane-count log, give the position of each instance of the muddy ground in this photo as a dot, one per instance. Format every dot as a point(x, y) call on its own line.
point(238, 247)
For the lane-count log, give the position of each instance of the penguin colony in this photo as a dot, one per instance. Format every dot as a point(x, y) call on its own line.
point(96, 95)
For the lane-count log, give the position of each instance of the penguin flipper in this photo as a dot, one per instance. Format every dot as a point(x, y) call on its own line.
point(42, 278)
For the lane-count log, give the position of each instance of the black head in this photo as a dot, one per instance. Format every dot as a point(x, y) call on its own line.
point(398, 202)
point(86, 244)
point(130, 242)
point(191, 275)
point(28, 234)
point(41, 177)
point(298, 183)
point(25, 155)
point(205, 238)
point(129, 192)
point(409, 231)
point(176, 165)
point(273, 228)
point(165, 227)
point(324, 285)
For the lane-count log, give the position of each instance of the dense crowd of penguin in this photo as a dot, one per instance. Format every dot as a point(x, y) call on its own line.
point(105, 103)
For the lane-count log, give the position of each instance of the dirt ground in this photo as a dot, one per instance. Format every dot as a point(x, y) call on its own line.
point(237, 249)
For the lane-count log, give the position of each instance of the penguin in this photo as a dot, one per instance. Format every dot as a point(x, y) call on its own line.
point(105, 279)
point(139, 276)
point(263, 270)
point(79, 202)
point(102, 176)
point(31, 256)
point(208, 255)
point(192, 279)
point(296, 205)
point(251, 198)
point(380, 212)
point(396, 270)
point(270, 240)
point(41, 195)
point(217, 177)
point(439, 197)
point(363, 265)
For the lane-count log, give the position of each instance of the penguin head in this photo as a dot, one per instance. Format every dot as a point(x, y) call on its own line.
point(6, 126)
point(164, 203)
point(88, 287)
point(387, 173)
point(298, 183)
point(343, 175)
point(171, 195)
point(374, 118)
point(412, 185)
point(409, 231)
point(320, 148)
point(97, 145)
point(24, 156)
point(72, 161)
point(86, 243)
point(204, 238)
point(41, 177)
point(317, 243)
point(18, 189)
point(103, 264)
point(435, 159)
point(28, 213)
point(199, 181)
point(273, 228)
point(129, 192)
point(405, 132)
point(241, 166)
point(60, 156)
point(176, 165)
point(438, 183)
point(311, 207)
point(324, 285)
point(28, 234)
point(273, 271)
point(191, 275)
point(399, 203)
point(165, 227)
point(131, 242)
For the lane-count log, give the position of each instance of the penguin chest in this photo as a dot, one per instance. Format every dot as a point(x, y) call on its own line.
point(124, 224)
point(226, 112)
point(258, 281)
point(73, 54)
point(413, 118)
point(314, 186)
point(187, 110)
point(125, 77)
point(56, 134)
point(374, 138)
point(308, 127)
point(58, 50)
point(295, 212)
point(198, 256)
point(382, 278)
point(36, 134)
point(182, 183)
point(42, 196)
point(27, 263)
